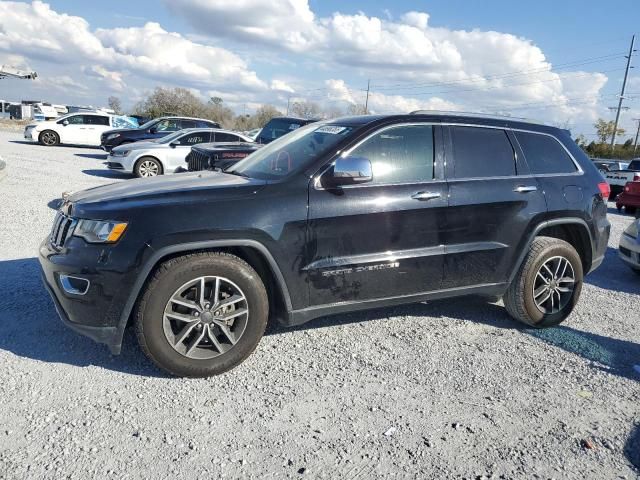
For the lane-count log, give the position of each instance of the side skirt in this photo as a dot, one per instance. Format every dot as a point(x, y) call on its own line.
point(297, 317)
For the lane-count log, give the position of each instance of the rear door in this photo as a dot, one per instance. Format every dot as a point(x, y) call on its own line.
point(492, 202)
point(94, 127)
point(383, 238)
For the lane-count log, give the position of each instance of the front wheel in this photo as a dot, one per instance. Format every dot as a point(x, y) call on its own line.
point(147, 167)
point(202, 314)
point(547, 285)
point(49, 138)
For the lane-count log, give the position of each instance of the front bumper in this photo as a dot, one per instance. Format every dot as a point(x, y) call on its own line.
point(28, 135)
point(629, 251)
point(97, 313)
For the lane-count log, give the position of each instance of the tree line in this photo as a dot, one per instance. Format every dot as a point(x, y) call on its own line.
point(601, 148)
point(180, 101)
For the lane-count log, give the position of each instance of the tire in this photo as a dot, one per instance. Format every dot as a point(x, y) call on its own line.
point(619, 208)
point(147, 167)
point(49, 138)
point(520, 298)
point(630, 210)
point(158, 332)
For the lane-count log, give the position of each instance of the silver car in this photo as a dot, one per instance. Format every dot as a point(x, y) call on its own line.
point(167, 154)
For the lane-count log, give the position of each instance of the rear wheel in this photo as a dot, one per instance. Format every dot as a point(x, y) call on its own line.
point(629, 209)
point(148, 167)
point(202, 314)
point(49, 138)
point(547, 285)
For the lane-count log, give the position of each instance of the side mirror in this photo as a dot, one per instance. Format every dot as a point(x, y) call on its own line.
point(152, 130)
point(351, 170)
point(174, 144)
point(65, 122)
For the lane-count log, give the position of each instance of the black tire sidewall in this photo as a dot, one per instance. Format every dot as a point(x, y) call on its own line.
point(47, 144)
point(539, 319)
point(152, 316)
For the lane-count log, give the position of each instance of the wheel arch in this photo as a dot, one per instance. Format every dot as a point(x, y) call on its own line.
point(143, 156)
point(572, 230)
point(251, 251)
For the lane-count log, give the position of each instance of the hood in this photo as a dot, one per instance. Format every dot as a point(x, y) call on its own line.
point(186, 188)
point(121, 131)
point(139, 146)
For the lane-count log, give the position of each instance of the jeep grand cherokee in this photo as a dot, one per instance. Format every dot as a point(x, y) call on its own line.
point(337, 216)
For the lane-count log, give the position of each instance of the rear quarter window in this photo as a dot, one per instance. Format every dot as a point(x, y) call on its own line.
point(544, 154)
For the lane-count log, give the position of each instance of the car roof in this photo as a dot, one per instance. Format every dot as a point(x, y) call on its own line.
point(209, 129)
point(166, 117)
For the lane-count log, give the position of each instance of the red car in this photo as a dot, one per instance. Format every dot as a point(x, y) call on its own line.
point(629, 198)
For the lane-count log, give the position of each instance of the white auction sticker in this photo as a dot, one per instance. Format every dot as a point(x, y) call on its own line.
point(334, 129)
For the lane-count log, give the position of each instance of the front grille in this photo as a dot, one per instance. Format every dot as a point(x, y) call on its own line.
point(62, 229)
point(197, 161)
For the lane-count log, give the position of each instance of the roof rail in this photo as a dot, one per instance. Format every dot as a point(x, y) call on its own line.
point(454, 113)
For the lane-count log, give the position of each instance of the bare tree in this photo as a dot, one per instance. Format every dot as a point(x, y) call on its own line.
point(356, 109)
point(114, 104)
point(305, 109)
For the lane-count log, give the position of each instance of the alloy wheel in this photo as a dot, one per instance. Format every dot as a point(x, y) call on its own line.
point(148, 168)
point(205, 317)
point(49, 138)
point(554, 285)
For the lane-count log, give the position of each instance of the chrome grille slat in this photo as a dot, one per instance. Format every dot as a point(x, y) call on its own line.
point(197, 161)
point(62, 228)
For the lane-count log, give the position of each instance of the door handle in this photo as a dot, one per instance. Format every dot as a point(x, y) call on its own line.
point(425, 195)
point(525, 188)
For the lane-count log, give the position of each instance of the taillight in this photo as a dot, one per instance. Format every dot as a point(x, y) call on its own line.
point(636, 178)
point(626, 188)
point(605, 190)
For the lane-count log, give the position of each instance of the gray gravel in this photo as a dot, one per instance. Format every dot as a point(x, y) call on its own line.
point(449, 389)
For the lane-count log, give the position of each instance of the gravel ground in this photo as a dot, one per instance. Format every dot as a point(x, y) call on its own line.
point(448, 389)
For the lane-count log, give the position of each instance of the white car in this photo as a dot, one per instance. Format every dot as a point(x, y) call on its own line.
point(166, 154)
point(629, 249)
point(82, 128)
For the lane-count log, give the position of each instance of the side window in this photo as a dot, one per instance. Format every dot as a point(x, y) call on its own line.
point(482, 152)
point(401, 154)
point(194, 138)
point(203, 124)
point(170, 125)
point(96, 120)
point(74, 120)
point(226, 137)
point(188, 124)
point(544, 154)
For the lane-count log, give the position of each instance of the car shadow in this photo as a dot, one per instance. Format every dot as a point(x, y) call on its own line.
point(632, 447)
point(30, 327)
point(97, 156)
point(614, 275)
point(23, 142)
point(107, 174)
point(617, 357)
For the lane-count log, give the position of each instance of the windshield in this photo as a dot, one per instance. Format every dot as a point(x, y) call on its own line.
point(634, 165)
point(171, 137)
point(277, 127)
point(149, 124)
point(291, 152)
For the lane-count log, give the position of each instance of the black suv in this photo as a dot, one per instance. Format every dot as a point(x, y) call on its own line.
point(156, 128)
point(337, 216)
point(279, 126)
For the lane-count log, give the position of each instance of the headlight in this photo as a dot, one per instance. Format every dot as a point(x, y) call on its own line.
point(96, 231)
point(119, 153)
point(112, 136)
point(632, 230)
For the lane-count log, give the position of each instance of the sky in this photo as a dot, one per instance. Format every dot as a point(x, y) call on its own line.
point(561, 62)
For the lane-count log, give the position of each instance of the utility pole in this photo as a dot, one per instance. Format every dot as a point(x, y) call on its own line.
point(288, 102)
point(624, 86)
point(635, 144)
point(366, 102)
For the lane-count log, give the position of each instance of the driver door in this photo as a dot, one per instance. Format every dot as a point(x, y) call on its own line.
point(383, 238)
point(180, 148)
point(72, 129)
